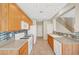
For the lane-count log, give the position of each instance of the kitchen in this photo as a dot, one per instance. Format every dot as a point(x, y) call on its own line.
point(34, 29)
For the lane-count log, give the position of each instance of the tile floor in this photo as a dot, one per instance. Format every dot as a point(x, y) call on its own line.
point(41, 48)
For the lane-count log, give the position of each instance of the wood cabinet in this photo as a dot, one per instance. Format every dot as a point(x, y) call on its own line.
point(26, 18)
point(51, 42)
point(11, 16)
point(17, 21)
point(11, 20)
point(63, 47)
point(22, 51)
point(3, 17)
point(70, 49)
point(14, 22)
point(75, 49)
point(0, 17)
point(67, 49)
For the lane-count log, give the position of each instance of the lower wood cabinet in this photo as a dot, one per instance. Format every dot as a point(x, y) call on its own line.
point(75, 49)
point(67, 49)
point(70, 49)
point(51, 42)
point(24, 49)
point(63, 48)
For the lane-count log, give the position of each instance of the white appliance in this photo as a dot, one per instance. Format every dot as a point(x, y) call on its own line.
point(30, 43)
point(32, 32)
point(19, 35)
point(57, 48)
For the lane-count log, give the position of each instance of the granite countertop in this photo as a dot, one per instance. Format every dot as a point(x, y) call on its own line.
point(13, 45)
point(56, 37)
point(70, 40)
point(66, 40)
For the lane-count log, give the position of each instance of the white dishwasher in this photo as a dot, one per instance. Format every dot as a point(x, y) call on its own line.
point(30, 43)
point(57, 47)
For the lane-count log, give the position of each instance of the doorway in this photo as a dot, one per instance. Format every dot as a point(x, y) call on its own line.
point(40, 29)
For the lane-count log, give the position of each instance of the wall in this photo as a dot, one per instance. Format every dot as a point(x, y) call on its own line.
point(47, 28)
point(76, 21)
point(69, 20)
point(39, 29)
point(61, 28)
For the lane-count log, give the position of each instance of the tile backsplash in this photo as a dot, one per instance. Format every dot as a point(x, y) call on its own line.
point(4, 35)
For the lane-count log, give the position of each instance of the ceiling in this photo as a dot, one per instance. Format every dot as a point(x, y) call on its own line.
point(41, 11)
point(70, 13)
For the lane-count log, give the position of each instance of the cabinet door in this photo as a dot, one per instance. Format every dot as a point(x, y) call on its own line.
point(0, 17)
point(24, 49)
point(17, 20)
point(27, 19)
point(67, 49)
point(3, 17)
point(11, 18)
point(75, 49)
point(51, 42)
point(14, 18)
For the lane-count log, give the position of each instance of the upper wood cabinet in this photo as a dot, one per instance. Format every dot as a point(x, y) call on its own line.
point(11, 16)
point(11, 20)
point(14, 19)
point(27, 19)
point(4, 17)
point(0, 17)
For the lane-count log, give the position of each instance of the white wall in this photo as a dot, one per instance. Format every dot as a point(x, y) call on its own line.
point(33, 31)
point(47, 28)
point(61, 28)
point(76, 21)
point(39, 29)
